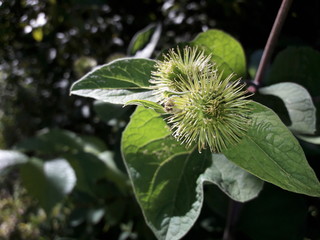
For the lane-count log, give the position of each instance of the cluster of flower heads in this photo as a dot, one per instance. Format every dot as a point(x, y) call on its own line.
point(203, 107)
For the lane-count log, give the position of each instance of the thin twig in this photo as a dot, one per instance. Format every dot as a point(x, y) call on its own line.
point(232, 218)
point(273, 37)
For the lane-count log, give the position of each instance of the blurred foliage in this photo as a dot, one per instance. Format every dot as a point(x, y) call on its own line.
point(47, 45)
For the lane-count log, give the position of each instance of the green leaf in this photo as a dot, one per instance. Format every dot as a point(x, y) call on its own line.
point(52, 141)
point(220, 63)
point(145, 41)
point(298, 103)
point(57, 141)
point(168, 178)
point(226, 47)
point(88, 169)
point(48, 181)
point(118, 82)
point(270, 152)
point(147, 104)
point(299, 65)
point(61, 141)
point(10, 158)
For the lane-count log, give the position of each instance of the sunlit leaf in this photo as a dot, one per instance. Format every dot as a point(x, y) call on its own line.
point(168, 178)
point(272, 153)
point(225, 47)
point(118, 82)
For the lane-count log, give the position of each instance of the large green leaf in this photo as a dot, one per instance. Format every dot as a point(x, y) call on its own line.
point(298, 103)
point(118, 82)
point(168, 178)
point(145, 41)
point(11, 158)
point(48, 181)
point(226, 47)
point(272, 153)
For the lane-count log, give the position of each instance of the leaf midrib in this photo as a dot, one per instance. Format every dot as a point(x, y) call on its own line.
point(287, 173)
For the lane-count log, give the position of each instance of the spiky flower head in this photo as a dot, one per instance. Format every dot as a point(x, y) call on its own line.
point(203, 106)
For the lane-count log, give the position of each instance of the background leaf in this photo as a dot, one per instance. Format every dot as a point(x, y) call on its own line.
point(87, 155)
point(10, 158)
point(299, 65)
point(298, 103)
point(275, 214)
point(272, 153)
point(52, 141)
point(49, 182)
point(144, 42)
point(310, 139)
point(117, 82)
point(107, 111)
point(225, 47)
point(168, 178)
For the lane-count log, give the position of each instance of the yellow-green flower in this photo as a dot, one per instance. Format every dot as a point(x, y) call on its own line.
point(205, 108)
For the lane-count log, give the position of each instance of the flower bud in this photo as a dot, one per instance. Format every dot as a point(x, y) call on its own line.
point(204, 108)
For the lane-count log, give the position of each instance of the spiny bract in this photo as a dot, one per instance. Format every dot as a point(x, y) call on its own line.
point(204, 107)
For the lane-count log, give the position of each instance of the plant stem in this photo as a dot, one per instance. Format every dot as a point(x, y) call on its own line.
point(232, 218)
point(275, 31)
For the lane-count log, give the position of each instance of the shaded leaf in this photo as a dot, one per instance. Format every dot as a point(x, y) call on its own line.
point(117, 82)
point(277, 215)
point(48, 182)
point(272, 153)
point(90, 168)
point(226, 47)
point(52, 141)
point(168, 178)
point(299, 65)
point(298, 103)
point(107, 111)
point(57, 141)
point(144, 42)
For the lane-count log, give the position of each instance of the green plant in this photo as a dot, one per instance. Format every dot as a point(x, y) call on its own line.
point(189, 91)
point(84, 180)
